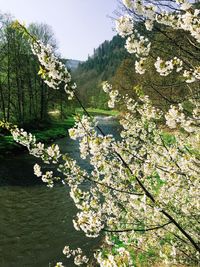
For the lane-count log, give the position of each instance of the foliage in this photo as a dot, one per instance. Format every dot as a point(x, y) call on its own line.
point(111, 62)
point(162, 90)
point(99, 67)
point(24, 97)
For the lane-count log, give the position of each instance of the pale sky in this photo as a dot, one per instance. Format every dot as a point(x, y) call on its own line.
point(79, 25)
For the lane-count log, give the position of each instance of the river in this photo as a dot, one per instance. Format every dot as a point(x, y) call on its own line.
point(36, 221)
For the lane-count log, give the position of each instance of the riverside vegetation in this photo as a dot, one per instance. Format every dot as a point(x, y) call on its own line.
point(24, 97)
point(142, 193)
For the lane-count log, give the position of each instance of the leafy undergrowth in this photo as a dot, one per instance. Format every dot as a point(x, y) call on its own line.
point(54, 131)
point(169, 139)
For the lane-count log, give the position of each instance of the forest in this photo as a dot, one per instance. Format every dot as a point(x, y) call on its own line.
point(24, 97)
point(112, 62)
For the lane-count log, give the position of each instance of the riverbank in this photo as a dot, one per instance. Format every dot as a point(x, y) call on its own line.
point(97, 111)
point(52, 131)
point(49, 133)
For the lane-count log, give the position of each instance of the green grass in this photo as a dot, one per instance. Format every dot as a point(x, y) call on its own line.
point(56, 129)
point(97, 111)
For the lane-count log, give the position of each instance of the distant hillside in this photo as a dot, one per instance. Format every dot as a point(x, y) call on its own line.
point(101, 66)
point(112, 62)
point(73, 64)
point(106, 57)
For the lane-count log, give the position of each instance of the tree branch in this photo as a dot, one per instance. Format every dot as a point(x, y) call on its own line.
point(136, 230)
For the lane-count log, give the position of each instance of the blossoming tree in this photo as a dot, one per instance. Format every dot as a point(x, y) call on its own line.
point(143, 191)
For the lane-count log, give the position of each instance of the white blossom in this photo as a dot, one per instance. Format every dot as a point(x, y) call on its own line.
point(59, 264)
point(140, 66)
point(163, 67)
point(37, 170)
point(124, 25)
point(185, 6)
point(149, 24)
point(106, 87)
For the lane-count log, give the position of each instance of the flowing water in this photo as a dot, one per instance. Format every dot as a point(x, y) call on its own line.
point(36, 221)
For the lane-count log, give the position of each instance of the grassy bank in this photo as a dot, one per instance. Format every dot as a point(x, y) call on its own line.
point(56, 129)
point(49, 133)
point(97, 111)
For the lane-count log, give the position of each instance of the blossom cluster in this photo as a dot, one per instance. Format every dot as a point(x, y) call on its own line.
point(164, 68)
point(49, 155)
point(192, 75)
point(52, 70)
point(138, 45)
point(176, 116)
point(79, 258)
point(121, 257)
point(124, 25)
point(59, 264)
point(135, 43)
point(113, 94)
point(46, 178)
point(187, 19)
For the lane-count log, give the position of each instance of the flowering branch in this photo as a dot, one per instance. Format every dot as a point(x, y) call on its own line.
point(137, 230)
